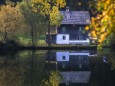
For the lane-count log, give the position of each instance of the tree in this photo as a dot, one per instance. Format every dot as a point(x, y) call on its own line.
point(104, 23)
point(34, 22)
point(9, 19)
point(50, 10)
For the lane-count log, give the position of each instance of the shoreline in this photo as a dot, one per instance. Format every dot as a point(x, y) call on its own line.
point(57, 47)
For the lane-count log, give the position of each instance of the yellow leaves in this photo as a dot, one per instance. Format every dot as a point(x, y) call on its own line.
point(100, 41)
point(87, 28)
point(32, 5)
point(49, 8)
point(93, 21)
point(37, 1)
point(112, 12)
point(60, 3)
point(54, 15)
point(108, 2)
point(103, 23)
point(103, 36)
point(42, 6)
point(103, 29)
point(93, 33)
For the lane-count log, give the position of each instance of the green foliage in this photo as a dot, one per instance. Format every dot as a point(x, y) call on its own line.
point(34, 22)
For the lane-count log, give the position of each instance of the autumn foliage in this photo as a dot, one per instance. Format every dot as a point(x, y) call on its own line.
point(9, 19)
point(49, 9)
point(104, 23)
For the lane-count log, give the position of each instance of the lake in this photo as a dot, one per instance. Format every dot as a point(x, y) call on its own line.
point(58, 68)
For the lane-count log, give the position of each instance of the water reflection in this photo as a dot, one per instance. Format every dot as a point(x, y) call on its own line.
point(80, 67)
point(24, 69)
point(57, 68)
point(70, 60)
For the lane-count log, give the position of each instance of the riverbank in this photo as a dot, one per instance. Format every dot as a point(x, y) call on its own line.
point(13, 49)
point(56, 47)
point(11, 45)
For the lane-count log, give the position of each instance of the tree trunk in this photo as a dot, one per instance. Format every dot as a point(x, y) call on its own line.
point(32, 33)
point(49, 41)
point(5, 36)
point(48, 30)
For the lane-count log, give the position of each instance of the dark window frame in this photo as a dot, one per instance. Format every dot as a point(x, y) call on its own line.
point(64, 57)
point(64, 37)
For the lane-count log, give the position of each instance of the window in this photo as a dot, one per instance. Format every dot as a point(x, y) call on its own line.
point(80, 37)
point(81, 57)
point(64, 37)
point(80, 28)
point(77, 37)
point(63, 29)
point(63, 57)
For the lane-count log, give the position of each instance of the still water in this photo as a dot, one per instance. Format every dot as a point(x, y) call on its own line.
point(58, 68)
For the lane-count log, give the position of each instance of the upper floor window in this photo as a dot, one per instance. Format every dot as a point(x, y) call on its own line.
point(64, 29)
point(80, 28)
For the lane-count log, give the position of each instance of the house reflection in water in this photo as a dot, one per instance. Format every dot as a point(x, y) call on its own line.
point(73, 65)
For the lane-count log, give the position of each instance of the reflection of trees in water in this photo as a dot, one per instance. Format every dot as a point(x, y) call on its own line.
point(10, 72)
point(35, 71)
point(102, 75)
point(24, 69)
point(36, 74)
point(112, 60)
point(27, 68)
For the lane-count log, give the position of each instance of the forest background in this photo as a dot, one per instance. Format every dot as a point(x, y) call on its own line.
point(21, 23)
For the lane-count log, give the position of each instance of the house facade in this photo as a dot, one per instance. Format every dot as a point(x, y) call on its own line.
point(72, 28)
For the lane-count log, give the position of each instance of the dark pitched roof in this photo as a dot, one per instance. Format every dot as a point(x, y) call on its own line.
point(75, 17)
